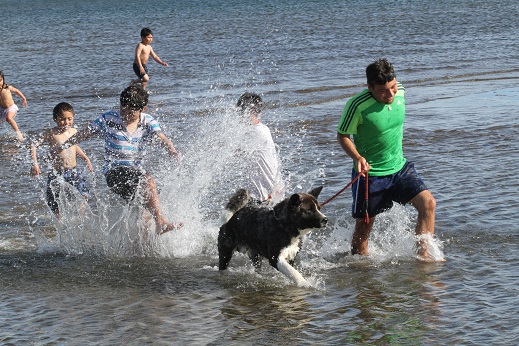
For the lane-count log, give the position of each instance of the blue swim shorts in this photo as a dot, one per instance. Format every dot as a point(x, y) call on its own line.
point(73, 176)
point(400, 187)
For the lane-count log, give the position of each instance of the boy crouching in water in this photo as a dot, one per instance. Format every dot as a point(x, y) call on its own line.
point(63, 160)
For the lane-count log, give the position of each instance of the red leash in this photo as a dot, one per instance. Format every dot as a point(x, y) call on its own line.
point(338, 193)
point(366, 217)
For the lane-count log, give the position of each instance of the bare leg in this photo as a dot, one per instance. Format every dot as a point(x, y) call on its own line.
point(10, 119)
point(153, 206)
point(359, 241)
point(142, 81)
point(425, 204)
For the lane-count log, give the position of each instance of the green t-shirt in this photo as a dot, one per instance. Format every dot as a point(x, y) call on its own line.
point(377, 130)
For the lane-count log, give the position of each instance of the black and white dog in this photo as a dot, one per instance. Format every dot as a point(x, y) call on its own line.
point(273, 233)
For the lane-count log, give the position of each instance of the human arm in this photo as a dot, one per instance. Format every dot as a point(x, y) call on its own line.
point(157, 59)
point(35, 168)
point(43, 137)
point(80, 153)
point(349, 148)
point(167, 144)
point(19, 93)
point(79, 136)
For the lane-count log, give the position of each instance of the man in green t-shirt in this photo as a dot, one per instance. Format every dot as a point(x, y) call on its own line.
point(375, 120)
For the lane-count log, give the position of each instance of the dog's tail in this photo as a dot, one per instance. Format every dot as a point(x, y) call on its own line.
point(236, 202)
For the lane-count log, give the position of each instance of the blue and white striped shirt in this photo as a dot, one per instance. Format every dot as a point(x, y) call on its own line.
point(121, 147)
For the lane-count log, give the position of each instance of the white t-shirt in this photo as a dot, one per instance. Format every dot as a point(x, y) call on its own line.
point(264, 175)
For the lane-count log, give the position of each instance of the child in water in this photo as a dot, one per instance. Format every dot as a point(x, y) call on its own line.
point(264, 168)
point(126, 133)
point(8, 108)
point(63, 160)
point(142, 54)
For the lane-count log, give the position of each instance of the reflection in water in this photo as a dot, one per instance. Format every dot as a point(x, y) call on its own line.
point(369, 301)
point(268, 313)
point(390, 302)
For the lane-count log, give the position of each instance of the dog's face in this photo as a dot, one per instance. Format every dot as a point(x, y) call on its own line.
point(304, 212)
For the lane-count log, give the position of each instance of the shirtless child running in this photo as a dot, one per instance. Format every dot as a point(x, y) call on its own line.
point(8, 108)
point(63, 160)
point(143, 51)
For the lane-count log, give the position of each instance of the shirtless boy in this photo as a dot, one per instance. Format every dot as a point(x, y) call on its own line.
point(63, 160)
point(143, 51)
point(8, 108)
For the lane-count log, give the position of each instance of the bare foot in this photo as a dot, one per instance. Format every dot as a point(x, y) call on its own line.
point(166, 227)
point(429, 259)
point(428, 251)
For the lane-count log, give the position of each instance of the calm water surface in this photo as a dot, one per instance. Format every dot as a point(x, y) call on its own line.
point(95, 278)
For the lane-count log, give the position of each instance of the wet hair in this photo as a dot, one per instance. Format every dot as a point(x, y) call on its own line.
point(145, 32)
point(60, 108)
point(380, 72)
point(250, 102)
point(134, 97)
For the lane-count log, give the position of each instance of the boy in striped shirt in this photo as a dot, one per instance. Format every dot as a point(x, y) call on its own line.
point(126, 132)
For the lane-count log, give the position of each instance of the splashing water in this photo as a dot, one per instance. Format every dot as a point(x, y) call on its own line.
point(392, 238)
point(193, 192)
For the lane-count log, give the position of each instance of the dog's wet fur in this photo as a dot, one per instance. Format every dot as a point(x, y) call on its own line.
point(273, 233)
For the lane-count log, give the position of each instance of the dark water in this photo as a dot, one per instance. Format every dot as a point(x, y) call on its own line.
point(96, 279)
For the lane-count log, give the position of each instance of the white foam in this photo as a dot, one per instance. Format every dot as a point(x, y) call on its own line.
point(192, 192)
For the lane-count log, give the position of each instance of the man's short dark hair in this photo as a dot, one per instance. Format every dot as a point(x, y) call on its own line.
point(380, 72)
point(60, 108)
point(134, 97)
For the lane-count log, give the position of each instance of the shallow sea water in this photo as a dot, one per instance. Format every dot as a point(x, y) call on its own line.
point(97, 278)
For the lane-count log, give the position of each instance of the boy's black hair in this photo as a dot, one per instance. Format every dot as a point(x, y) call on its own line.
point(145, 32)
point(250, 102)
point(60, 108)
point(134, 97)
point(380, 72)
